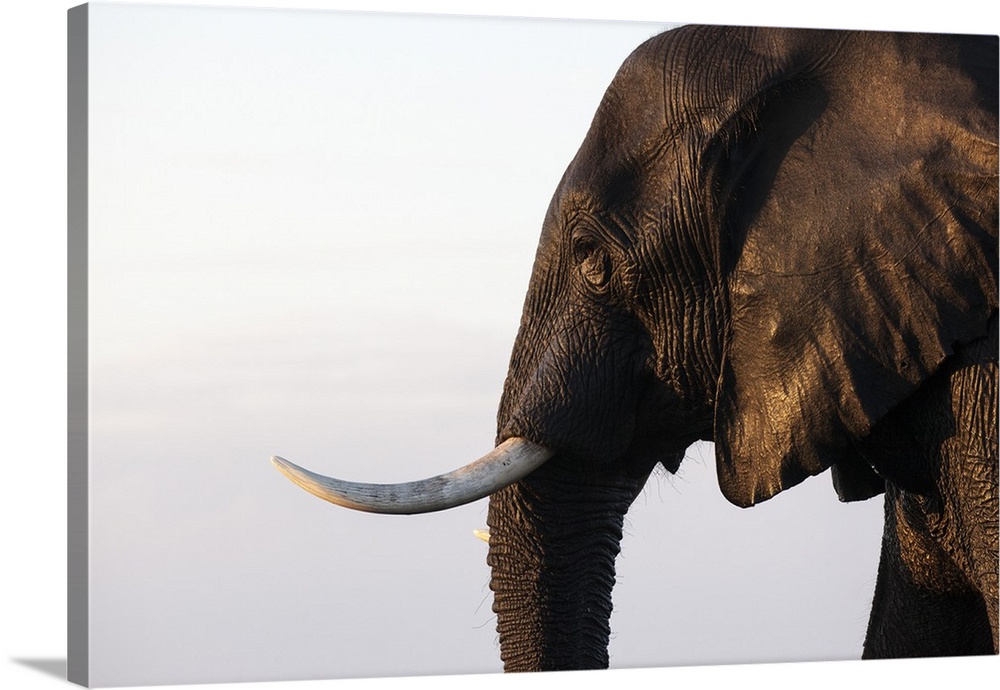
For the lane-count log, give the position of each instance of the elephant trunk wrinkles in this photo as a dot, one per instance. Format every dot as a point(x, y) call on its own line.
point(553, 543)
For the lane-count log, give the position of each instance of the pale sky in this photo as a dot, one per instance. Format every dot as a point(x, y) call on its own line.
point(311, 233)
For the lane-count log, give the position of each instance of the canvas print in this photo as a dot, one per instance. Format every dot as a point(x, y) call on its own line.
point(613, 345)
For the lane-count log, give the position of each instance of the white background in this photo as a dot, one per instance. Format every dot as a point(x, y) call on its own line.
point(34, 304)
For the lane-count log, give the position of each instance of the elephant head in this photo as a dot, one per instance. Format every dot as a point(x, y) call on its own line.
point(769, 239)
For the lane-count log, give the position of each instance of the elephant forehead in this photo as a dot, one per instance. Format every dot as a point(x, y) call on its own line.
point(629, 127)
point(667, 99)
point(624, 168)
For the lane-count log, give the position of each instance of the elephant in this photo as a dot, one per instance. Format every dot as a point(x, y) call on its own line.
point(782, 241)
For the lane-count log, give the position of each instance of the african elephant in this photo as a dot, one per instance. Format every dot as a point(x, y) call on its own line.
point(785, 242)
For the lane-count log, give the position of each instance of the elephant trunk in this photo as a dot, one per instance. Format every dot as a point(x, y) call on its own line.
point(553, 541)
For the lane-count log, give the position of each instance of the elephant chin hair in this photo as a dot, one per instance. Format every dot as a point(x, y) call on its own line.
point(509, 462)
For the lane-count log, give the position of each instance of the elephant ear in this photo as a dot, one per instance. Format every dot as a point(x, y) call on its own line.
point(861, 217)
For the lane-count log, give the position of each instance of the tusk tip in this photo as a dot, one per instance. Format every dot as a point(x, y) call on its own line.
point(483, 534)
point(282, 465)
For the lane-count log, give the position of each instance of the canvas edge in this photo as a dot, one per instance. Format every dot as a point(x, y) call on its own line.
point(77, 667)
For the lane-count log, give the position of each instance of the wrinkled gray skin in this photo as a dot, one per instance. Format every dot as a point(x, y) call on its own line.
point(784, 242)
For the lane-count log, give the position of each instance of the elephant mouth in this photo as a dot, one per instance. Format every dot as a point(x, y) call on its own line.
point(509, 462)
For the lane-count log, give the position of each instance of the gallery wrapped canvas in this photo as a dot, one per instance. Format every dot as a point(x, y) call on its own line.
point(660, 345)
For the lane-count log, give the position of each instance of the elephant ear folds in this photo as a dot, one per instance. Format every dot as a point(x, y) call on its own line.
point(744, 153)
point(862, 250)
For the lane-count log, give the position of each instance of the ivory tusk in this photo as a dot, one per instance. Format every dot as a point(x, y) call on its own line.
point(483, 534)
point(512, 460)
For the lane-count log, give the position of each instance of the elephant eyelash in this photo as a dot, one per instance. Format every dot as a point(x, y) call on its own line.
point(583, 246)
point(591, 258)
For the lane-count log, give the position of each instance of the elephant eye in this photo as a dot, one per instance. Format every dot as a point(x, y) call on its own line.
point(593, 260)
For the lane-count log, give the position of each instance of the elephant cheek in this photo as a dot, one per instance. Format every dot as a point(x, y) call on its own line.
point(553, 542)
point(579, 401)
